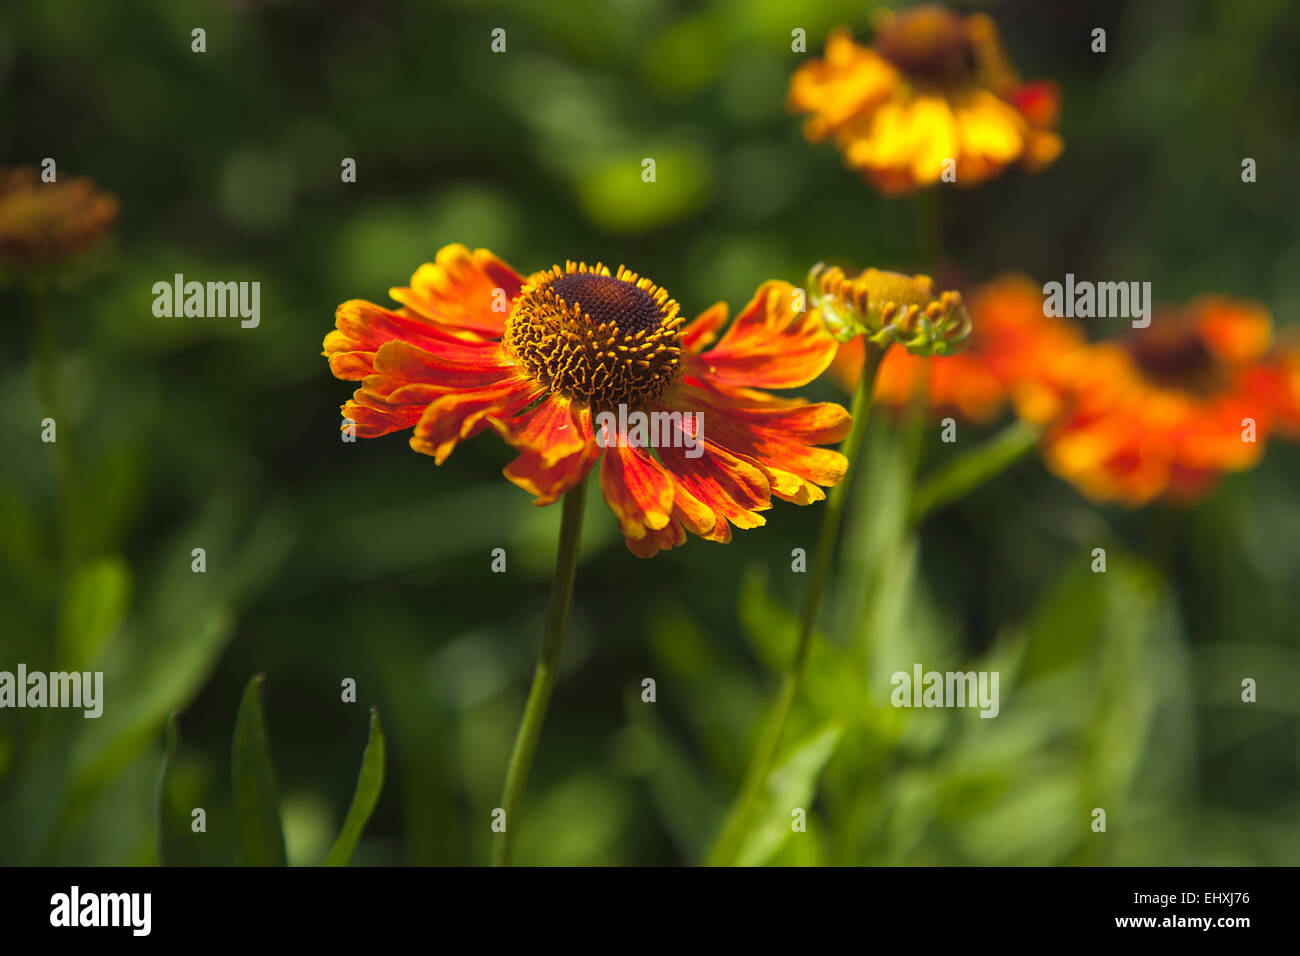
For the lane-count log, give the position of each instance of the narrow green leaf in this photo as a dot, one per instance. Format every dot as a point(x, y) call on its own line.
point(791, 785)
point(165, 825)
point(259, 838)
point(93, 607)
point(369, 783)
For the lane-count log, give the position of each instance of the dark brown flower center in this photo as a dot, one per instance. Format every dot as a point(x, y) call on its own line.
point(599, 339)
point(928, 43)
point(1172, 355)
point(607, 299)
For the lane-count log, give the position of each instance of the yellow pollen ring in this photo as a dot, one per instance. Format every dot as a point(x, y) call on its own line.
point(600, 339)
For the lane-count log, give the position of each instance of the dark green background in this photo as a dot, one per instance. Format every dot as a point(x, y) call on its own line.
point(329, 560)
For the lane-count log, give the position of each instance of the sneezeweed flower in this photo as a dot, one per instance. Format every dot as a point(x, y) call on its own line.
point(1015, 354)
point(556, 363)
point(1158, 414)
point(476, 345)
point(46, 223)
point(937, 92)
point(876, 313)
point(1165, 411)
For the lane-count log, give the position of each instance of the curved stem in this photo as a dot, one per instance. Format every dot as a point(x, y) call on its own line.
point(548, 666)
point(964, 474)
point(760, 765)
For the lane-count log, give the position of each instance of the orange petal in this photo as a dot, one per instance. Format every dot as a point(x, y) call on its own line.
point(468, 291)
point(734, 488)
point(704, 329)
point(769, 345)
point(362, 328)
point(374, 418)
point(547, 481)
point(652, 542)
point(781, 435)
point(460, 415)
point(637, 490)
point(553, 430)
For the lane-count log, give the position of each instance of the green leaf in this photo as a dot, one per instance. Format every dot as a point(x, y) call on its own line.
point(259, 839)
point(791, 785)
point(369, 783)
point(93, 607)
point(169, 848)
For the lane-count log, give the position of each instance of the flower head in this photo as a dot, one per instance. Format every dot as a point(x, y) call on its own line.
point(1014, 354)
point(43, 223)
point(559, 364)
point(936, 92)
point(888, 307)
point(1165, 411)
point(1160, 413)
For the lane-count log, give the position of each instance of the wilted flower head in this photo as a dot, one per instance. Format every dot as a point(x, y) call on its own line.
point(557, 362)
point(889, 307)
point(937, 92)
point(43, 223)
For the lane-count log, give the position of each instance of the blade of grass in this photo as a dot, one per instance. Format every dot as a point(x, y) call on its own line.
point(169, 850)
point(369, 784)
point(259, 838)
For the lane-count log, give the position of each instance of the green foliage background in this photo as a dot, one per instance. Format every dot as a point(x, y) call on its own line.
point(328, 560)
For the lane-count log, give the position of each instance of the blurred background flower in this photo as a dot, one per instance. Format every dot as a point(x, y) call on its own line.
point(935, 95)
point(1119, 689)
point(45, 222)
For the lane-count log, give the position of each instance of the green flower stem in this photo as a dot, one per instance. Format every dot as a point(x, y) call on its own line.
point(548, 666)
point(49, 387)
point(964, 474)
point(731, 841)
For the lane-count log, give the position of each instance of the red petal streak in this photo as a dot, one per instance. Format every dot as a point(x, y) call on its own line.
point(460, 415)
point(768, 345)
point(637, 489)
point(362, 328)
point(542, 473)
point(458, 290)
point(550, 430)
point(704, 329)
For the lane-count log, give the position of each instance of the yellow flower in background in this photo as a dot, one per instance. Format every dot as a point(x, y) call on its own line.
point(935, 93)
point(43, 223)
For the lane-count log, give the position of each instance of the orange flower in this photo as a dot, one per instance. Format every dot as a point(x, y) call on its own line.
point(557, 363)
point(936, 87)
point(1014, 353)
point(1159, 414)
point(1165, 411)
point(42, 223)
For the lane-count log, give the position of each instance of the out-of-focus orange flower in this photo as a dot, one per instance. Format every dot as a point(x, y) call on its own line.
point(935, 87)
point(43, 223)
point(1160, 413)
point(1165, 411)
point(1014, 353)
point(547, 361)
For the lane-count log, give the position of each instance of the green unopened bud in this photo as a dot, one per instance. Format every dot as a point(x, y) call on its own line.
point(890, 307)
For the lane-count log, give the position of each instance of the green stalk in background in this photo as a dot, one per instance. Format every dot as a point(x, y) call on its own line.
point(548, 666)
point(49, 389)
point(739, 819)
point(965, 473)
